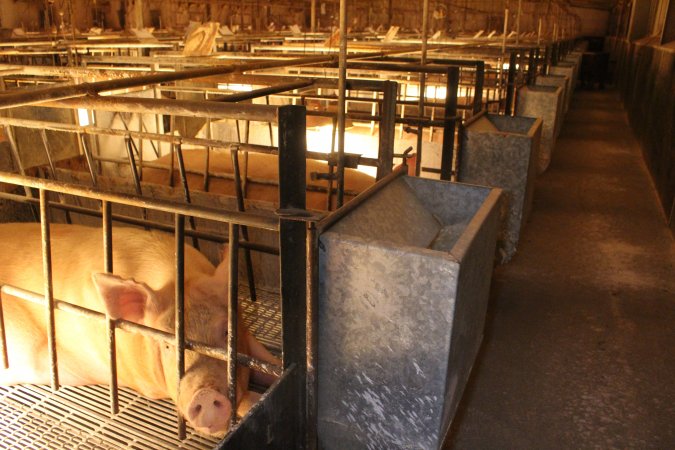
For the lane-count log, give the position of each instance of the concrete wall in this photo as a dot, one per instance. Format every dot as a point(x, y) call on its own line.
point(594, 22)
point(645, 75)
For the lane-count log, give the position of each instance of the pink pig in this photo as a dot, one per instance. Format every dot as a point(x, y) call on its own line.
point(141, 290)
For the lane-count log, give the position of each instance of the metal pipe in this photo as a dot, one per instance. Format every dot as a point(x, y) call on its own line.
point(232, 311)
point(152, 333)
point(89, 159)
point(106, 212)
point(143, 223)
point(48, 288)
point(241, 96)
point(253, 219)
point(506, 29)
point(244, 230)
point(40, 95)
point(342, 104)
point(179, 221)
point(186, 190)
point(312, 319)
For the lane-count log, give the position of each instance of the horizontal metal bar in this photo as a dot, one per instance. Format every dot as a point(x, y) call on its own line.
point(71, 128)
point(265, 91)
point(40, 95)
point(157, 335)
point(253, 219)
point(142, 223)
point(202, 108)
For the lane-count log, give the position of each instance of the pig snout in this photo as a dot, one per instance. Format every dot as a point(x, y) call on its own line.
point(209, 412)
point(202, 397)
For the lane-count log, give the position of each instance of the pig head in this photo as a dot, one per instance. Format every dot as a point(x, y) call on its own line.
point(141, 290)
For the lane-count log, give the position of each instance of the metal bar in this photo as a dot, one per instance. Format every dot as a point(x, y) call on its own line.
point(180, 310)
point(232, 311)
point(342, 104)
point(252, 219)
point(3, 339)
point(422, 86)
point(241, 96)
point(186, 190)
point(510, 85)
point(132, 164)
point(203, 108)
point(244, 230)
point(143, 223)
point(62, 92)
point(531, 67)
point(90, 161)
point(106, 212)
point(52, 167)
point(48, 288)
point(478, 86)
point(312, 319)
point(152, 333)
point(450, 110)
point(387, 130)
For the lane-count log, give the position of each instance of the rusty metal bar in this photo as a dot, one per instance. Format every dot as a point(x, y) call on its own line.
point(3, 339)
point(244, 230)
point(232, 310)
point(342, 104)
point(312, 319)
point(450, 110)
point(132, 164)
point(186, 190)
point(106, 211)
point(252, 219)
point(270, 90)
point(142, 223)
point(88, 157)
point(48, 287)
point(79, 90)
point(152, 333)
point(70, 128)
point(180, 310)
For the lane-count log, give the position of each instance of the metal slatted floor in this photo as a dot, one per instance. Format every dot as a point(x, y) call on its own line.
point(34, 417)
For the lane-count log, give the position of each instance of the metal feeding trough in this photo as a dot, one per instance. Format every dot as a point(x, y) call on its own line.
point(502, 151)
point(568, 69)
point(545, 102)
point(404, 280)
point(556, 80)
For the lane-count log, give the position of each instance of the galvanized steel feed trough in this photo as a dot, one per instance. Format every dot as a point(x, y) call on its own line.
point(403, 287)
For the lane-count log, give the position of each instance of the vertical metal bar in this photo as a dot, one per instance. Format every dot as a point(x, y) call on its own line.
point(180, 309)
point(269, 124)
point(506, 29)
point(186, 190)
point(422, 89)
point(49, 289)
point(292, 188)
point(479, 83)
point(510, 84)
point(385, 153)
point(232, 302)
point(110, 323)
point(312, 319)
point(518, 22)
point(342, 90)
point(531, 67)
point(244, 230)
point(450, 111)
point(52, 168)
point(90, 160)
point(3, 339)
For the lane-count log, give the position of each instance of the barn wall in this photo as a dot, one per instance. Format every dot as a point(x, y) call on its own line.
point(645, 75)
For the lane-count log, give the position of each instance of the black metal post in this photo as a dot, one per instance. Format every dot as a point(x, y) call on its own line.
point(449, 114)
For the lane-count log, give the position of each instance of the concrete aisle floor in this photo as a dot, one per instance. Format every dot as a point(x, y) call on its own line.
point(579, 350)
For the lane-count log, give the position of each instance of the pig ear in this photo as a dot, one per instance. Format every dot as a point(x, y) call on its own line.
point(123, 298)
